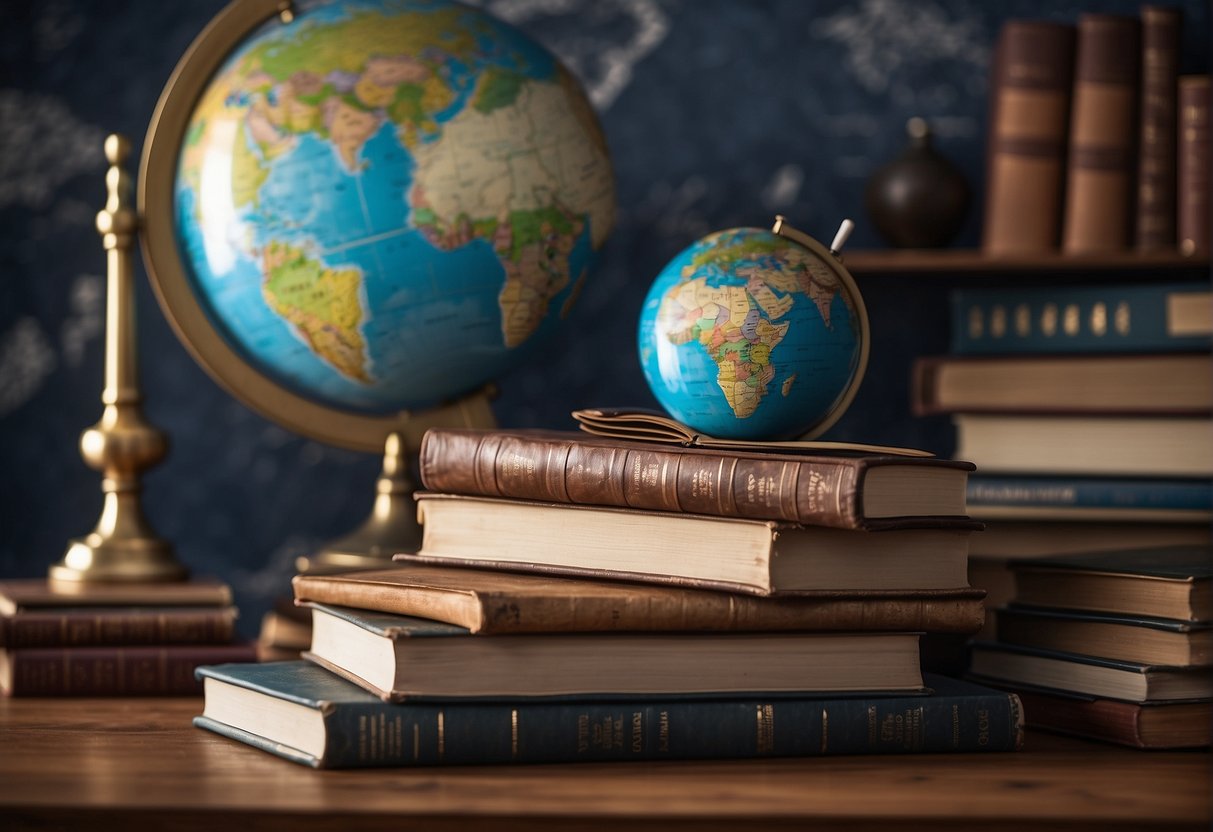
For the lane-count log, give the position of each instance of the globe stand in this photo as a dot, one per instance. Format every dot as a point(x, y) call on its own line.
point(391, 528)
point(123, 547)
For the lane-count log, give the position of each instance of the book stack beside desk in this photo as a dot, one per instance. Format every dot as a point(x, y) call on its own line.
point(113, 639)
point(586, 599)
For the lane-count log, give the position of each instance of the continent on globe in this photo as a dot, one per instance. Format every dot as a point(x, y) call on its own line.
point(733, 323)
point(743, 312)
point(383, 201)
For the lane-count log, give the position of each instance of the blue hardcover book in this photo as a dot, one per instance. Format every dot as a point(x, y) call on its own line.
point(403, 658)
point(303, 713)
point(993, 497)
point(1122, 317)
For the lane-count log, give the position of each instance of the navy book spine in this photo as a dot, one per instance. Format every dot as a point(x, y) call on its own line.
point(1090, 492)
point(956, 717)
point(1120, 318)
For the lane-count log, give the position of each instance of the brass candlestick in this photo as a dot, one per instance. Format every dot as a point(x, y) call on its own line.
point(123, 546)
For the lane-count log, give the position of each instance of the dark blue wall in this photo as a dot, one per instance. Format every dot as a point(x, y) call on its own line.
point(717, 113)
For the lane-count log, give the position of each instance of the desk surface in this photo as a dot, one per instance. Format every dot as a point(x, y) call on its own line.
point(105, 764)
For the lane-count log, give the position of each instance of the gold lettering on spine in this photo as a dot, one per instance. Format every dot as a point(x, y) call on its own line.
point(765, 724)
point(514, 733)
point(441, 735)
point(416, 742)
point(825, 730)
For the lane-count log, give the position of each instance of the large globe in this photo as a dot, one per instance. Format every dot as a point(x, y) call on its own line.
point(747, 334)
point(386, 204)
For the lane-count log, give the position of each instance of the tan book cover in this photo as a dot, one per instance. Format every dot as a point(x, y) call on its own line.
point(503, 602)
point(35, 593)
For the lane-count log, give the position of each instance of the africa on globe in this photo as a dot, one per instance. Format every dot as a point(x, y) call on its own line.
point(384, 204)
point(753, 334)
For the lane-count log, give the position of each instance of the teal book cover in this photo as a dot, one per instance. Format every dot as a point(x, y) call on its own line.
point(303, 713)
point(1178, 563)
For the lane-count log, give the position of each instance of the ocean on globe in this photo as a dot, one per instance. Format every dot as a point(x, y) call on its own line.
point(748, 335)
point(383, 205)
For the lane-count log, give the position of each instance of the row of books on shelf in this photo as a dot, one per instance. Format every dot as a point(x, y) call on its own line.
point(1096, 140)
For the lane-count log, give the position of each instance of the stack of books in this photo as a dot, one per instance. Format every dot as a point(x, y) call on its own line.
point(589, 599)
point(1112, 645)
point(113, 639)
point(1096, 142)
point(1086, 409)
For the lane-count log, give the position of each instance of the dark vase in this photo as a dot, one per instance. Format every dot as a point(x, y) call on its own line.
point(919, 200)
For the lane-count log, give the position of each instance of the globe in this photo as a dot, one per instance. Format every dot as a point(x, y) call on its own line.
point(383, 204)
point(750, 334)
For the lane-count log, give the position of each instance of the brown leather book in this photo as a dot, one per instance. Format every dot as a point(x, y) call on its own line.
point(113, 671)
point(1030, 86)
point(1155, 226)
point(88, 626)
point(1103, 135)
point(37, 593)
point(841, 491)
point(1178, 725)
point(1194, 179)
point(503, 603)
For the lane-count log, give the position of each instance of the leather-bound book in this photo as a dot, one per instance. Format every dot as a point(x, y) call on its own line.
point(1194, 179)
point(1103, 135)
point(1155, 226)
point(1029, 121)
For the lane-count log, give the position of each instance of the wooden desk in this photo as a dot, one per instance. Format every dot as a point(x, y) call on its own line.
point(138, 764)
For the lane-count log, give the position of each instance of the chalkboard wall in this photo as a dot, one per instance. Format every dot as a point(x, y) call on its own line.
point(717, 114)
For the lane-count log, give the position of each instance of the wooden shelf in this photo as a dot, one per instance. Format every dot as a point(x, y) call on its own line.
point(974, 261)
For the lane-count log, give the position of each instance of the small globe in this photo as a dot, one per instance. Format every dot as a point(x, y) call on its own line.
point(747, 334)
point(383, 204)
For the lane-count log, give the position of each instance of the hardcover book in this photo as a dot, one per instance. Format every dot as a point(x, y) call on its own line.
point(112, 671)
point(748, 556)
point(503, 603)
point(841, 491)
point(1137, 317)
point(1174, 582)
point(1124, 385)
point(1030, 89)
point(31, 593)
point(1144, 499)
point(1103, 135)
point(309, 716)
point(1162, 725)
point(1156, 182)
point(91, 626)
point(1024, 539)
point(1142, 639)
point(1195, 177)
point(1090, 675)
point(1134, 446)
point(401, 658)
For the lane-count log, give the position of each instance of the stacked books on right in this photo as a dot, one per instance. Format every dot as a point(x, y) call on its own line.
point(1111, 645)
point(587, 599)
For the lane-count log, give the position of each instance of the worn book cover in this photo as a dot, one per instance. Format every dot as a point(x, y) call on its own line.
point(336, 724)
point(838, 490)
point(494, 602)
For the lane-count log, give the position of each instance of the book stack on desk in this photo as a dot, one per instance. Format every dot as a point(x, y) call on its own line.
point(538, 631)
point(1086, 409)
point(113, 639)
point(1112, 645)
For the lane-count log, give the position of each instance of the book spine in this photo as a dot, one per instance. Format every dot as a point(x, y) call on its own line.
point(114, 671)
point(820, 492)
point(1031, 83)
point(1194, 179)
point(75, 628)
point(387, 735)
point(1103, 131)
point(1155, 226)
point(1091, 492)
point(1107, 319)
point(1102, 719)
